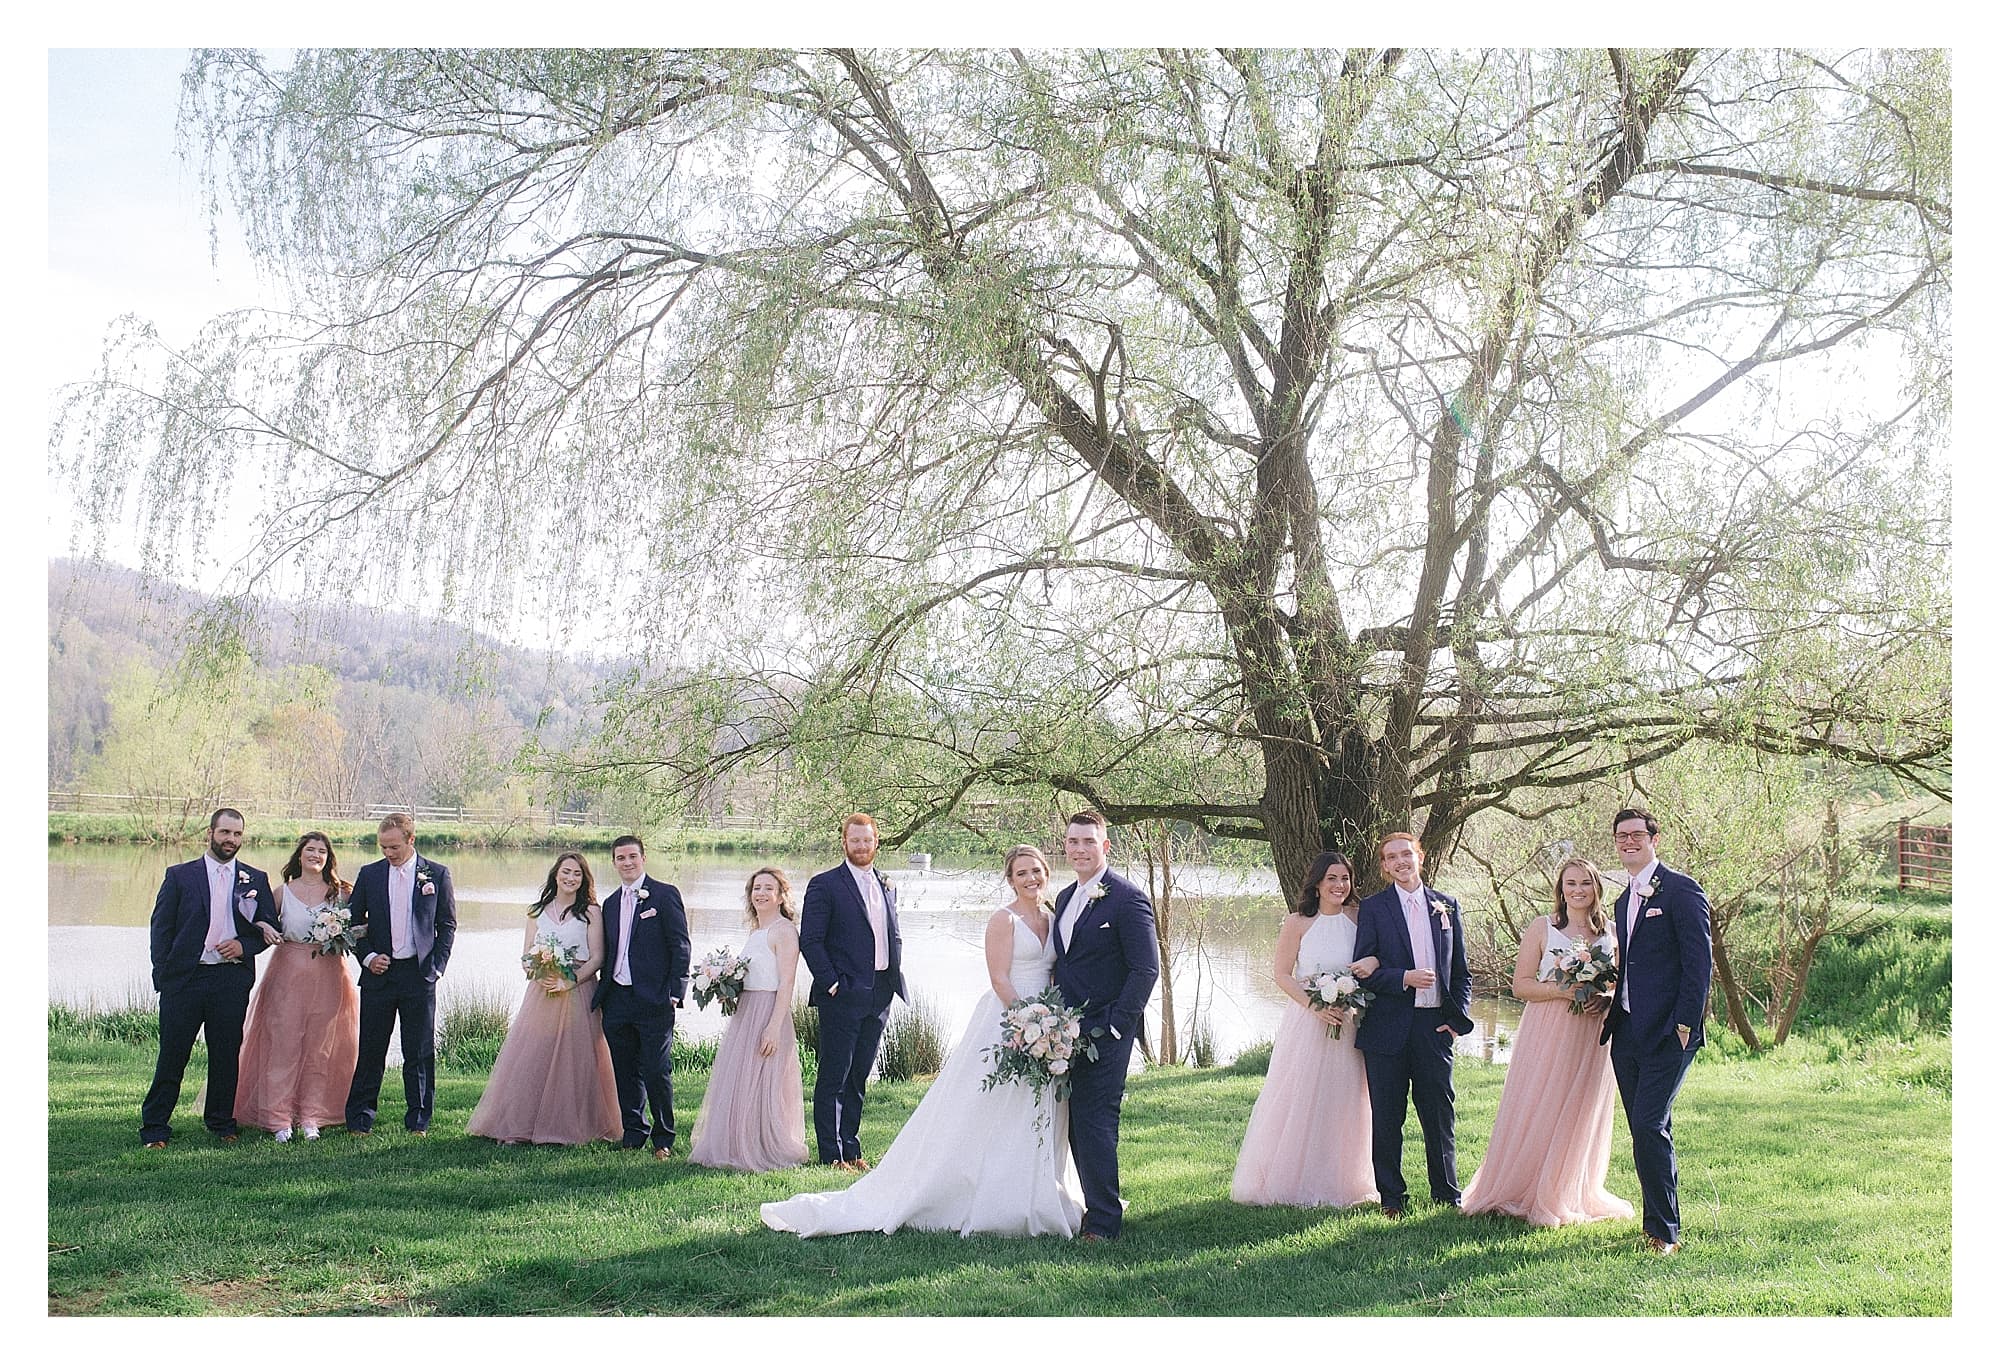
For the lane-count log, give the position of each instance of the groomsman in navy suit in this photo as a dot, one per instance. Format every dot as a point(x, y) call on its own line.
point(1654, 1025)
point(1107, 962)
point(854, 949)
point(411, 919)
point(645, 978)
point(212, 916)
point(1423, 1000)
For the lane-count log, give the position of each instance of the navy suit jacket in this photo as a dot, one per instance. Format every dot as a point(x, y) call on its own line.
point(433, 915)
point(836, 942)
point(180, 919)
point(1112, 961)
point(1381, 932)
point(659, 955)
point(1666, 964)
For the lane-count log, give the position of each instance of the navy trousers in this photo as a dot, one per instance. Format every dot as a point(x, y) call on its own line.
point(1097, 1093)
point(1648, 1080)
point(1423, 1066)
point(641, 1040)
point(212, 1001)
point(850, 1034)
point(398, 997)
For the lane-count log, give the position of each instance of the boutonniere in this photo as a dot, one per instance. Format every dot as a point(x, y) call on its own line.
point(884, 882)
point(644, 894)
point(242, 877)
point(424, 885)
point(1440, 909)
point(1099, 892)
point(1647, 891)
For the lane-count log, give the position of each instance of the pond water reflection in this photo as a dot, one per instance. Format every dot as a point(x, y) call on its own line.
point(101, 898)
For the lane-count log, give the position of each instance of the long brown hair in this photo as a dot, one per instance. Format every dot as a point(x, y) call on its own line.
point(1599, 921)
point(586, 894)
point(776, 874)
point(295, 866)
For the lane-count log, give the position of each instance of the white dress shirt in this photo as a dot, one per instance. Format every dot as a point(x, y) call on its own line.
point(1417, 919)
point(628, 915)
point(878, 912)
point(1085, 889)
point(1645, 874)
point(221, 887)
point(402, 888)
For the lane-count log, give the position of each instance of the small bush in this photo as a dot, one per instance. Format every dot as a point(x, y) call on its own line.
point(471, 1028)
point(1201, 1047)
point(694, 1056)
point(913, 1045)
point(1254, 1060)
point(805, 1023)
point(130, 1021)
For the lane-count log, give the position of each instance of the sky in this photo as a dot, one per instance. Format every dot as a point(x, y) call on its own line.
point(125, 233)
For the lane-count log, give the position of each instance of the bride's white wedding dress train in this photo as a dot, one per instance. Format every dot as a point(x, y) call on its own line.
point(969, 1160)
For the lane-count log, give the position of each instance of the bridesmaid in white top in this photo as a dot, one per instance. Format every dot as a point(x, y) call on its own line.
point(1309, 1141)
point(303, 1029)
point(1551, 1144)
point(753, 1113)
point(552, 1081)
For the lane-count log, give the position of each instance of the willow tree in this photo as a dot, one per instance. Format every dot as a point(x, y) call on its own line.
point(1292, 443)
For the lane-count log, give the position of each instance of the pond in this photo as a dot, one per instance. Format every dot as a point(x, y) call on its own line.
point(101, 899)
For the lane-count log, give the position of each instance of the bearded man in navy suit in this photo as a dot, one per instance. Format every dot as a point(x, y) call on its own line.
point(1107, 962)
point(211, 918)
point(853, 946)
point(1654, 1025)
point(411, 921)
point(1423, 1000)
point(645, 977)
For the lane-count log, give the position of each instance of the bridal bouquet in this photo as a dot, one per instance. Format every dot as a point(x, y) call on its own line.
point(333, 931)
point(1039, 1039)
point(1584, 969)
point(720, 977)
point(1339, 989)
point(551, 960)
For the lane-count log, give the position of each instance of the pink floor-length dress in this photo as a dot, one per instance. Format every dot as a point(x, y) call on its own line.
point(753, 1115)
point(1551, 1140)
point(300, 1035)
point(1309, 1137)
point(552, 1081)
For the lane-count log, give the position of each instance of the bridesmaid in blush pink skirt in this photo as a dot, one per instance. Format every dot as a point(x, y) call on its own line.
point(552, 1081)
point(1552, 1135)
point(753, 1115)
point(304, 1025)
point(1309, 1140)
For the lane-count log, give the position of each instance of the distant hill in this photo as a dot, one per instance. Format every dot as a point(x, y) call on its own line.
point(397, 672)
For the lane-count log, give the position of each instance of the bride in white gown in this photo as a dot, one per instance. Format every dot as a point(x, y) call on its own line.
point(971, 1160)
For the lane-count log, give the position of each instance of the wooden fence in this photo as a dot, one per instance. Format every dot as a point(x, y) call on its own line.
point(113, 803)
point(1923, 855)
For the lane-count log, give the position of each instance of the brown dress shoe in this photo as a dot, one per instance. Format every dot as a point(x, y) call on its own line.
point(159, 1146)
point(663, 1154)
point(859, 1163)
point(1391, 1213)
point(1660, 1248)
point(228, 1139)
point(1090, 1237)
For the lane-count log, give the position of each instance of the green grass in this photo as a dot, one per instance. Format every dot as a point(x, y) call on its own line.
point(1813, 1182)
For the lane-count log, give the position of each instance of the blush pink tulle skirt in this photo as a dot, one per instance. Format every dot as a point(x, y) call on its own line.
point(1309, 1137)
point(753, 1116)
point(299, 1041)
point(1552, 1136)
point(552, 1081)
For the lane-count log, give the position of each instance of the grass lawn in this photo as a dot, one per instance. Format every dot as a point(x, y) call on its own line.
point(1818, 1182)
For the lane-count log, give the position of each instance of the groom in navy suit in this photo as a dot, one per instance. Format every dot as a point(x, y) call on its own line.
point(411, 920)
point(1107, 961)
point(1654, 1024)
point(211, 918)
point(645, 976)
point(1423, 999)
point(854, 949)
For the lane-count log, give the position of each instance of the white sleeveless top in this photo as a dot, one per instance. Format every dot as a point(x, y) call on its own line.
point(1555, 941)
point(763, 975)
point(1033, 963)
point(571, 932)
point(1328, 943)
point(295, 917)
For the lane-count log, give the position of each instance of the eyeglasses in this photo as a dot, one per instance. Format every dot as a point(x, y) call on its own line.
point(1630, 836)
